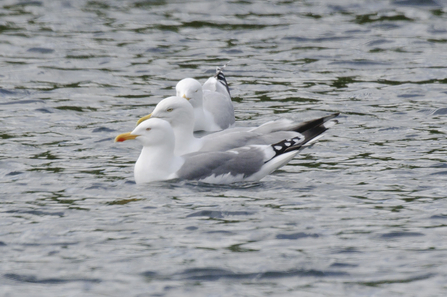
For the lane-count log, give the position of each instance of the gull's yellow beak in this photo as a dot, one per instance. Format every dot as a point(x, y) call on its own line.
point(143, 119)
point(184, 96)
point(125, 136)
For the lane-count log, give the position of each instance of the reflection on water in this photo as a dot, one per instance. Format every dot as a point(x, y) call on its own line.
point(360, 213)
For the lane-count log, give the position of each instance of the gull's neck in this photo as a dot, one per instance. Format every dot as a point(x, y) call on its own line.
point(185, 142)
point(201, 119)
point(204, 121)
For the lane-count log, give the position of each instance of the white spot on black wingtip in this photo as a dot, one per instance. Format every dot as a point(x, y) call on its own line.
point(282, 146)
point(294, 140)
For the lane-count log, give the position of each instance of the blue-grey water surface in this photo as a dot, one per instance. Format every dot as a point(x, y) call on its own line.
point(362, 213)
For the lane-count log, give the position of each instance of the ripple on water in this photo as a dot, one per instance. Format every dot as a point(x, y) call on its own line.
point(360, 213)
point(214, 274)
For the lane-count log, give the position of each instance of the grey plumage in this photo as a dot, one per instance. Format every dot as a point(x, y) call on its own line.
point(217, 104)
point(245, 161)
point(249, 160)
point(222, 111)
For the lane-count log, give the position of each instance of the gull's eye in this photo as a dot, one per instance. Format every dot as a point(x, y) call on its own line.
point(148, 129)
point(169, 109)
point(196, 91)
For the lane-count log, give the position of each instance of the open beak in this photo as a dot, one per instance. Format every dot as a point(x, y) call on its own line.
point(143, 119)
point(184, 96)
point(125, 136)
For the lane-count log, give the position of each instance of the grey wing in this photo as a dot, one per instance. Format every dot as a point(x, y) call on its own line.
point(275, 137)
point(244, 162)
point(220, 107)
point(222, 141)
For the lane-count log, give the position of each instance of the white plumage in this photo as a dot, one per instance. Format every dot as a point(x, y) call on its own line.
point(213, 108)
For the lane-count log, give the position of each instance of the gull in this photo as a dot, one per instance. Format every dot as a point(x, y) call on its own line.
point(180, 114)
point(158, 162)
point(213, 108)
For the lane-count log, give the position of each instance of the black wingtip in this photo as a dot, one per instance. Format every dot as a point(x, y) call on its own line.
point(221, 77)
point(286, 145)
point(314, 128)
point(300, 128)
point(319, 128)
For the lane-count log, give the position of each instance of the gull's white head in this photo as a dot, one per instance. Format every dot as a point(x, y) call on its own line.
point(191, 90)
point(151, 132)
point(175, 110)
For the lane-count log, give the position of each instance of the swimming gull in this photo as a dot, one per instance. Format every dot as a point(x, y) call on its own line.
point(179, 113)
point(158, 162)
point(213, 108)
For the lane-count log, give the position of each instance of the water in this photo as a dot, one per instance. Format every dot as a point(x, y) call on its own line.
point(361, 214)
